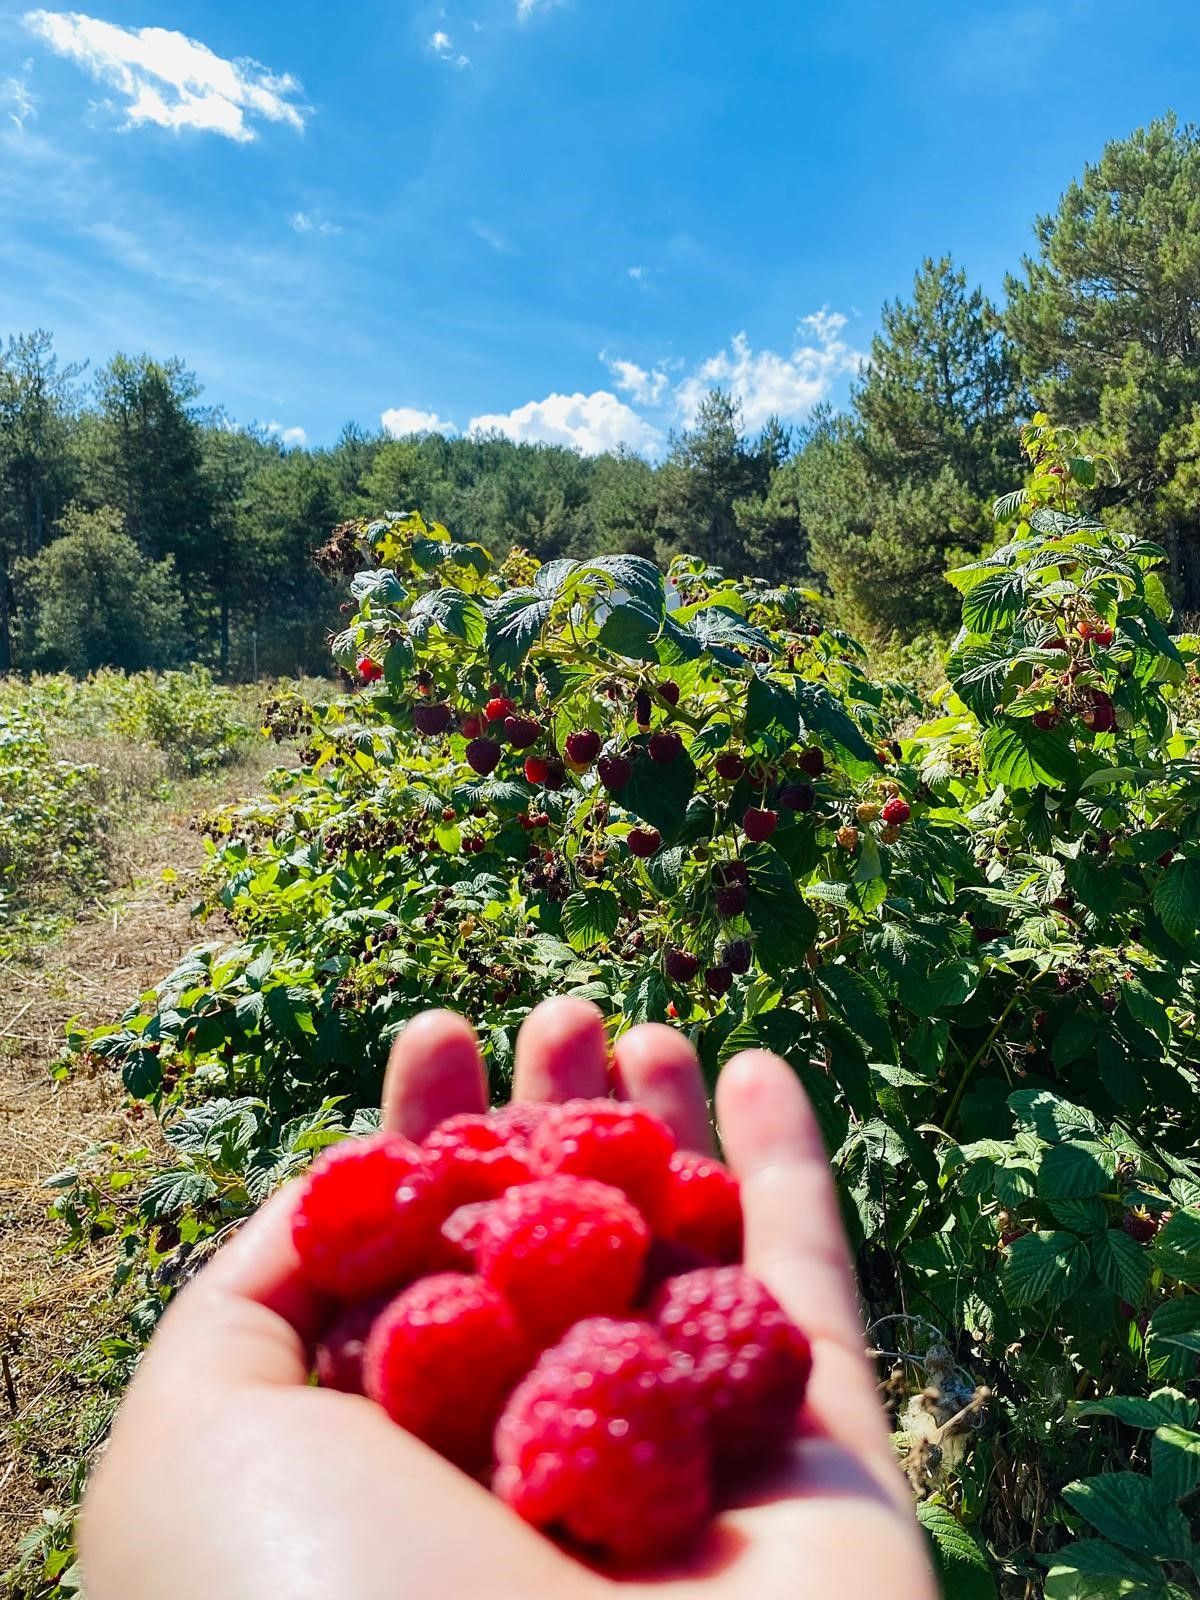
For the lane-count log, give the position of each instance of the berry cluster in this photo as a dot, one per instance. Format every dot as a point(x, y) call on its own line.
point(553, 1296)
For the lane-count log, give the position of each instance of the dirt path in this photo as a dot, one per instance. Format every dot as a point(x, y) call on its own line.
point(53, 1310)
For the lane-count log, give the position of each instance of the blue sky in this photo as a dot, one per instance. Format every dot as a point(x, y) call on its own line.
point(561, 218)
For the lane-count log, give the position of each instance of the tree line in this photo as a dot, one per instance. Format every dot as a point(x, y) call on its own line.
point(140, 528)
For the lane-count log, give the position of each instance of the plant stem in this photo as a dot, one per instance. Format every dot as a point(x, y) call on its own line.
point(969, 1069)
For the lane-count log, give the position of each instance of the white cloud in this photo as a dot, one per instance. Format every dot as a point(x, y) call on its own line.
point(591, 423)
point(170, 80)
point(766, 383)
point(490, 237)
point(306, 222)
point(16, 102)
point(287, 436)
point(401, 421)
point(646, 388)
point(637, 273)
point(443, 47)
point(526, 8)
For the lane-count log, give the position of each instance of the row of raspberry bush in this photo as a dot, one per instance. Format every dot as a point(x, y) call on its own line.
point(684, 797)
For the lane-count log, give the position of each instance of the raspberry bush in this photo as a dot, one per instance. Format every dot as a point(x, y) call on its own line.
point(682, 796)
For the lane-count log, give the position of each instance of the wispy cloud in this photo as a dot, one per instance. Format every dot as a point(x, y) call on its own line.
point(442, 46)
point(16, 101)
point(291, 437)
point(526, 8)
point(495, 241)
point(591, 423)
point(767, 383)
point(308, 222)
point(402, 421)
point(169, 80)
point(645, 388)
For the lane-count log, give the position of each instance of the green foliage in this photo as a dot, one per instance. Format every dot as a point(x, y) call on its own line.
point(992, 1006)
point(194, 722)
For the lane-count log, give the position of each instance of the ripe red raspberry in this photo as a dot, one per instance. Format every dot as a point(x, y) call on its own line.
point(518, 1121)
point(732, 902)
point(669, 692)
point(441, 1361)
point(896, 812)
point(812, 761)
point(537, 770)
point(499, 707)
point(730, 765)
point(560, 1249)
point(1103, 635)
point(521, 732)
point(483, 756)
point(738, 956)
point(615, 772)
point(339, 1353)
point(368, 670)
point(644, 842)
point(366, 1216)
point(665, 747)
point(615, 1143)
point(749, 1361)
point(473, 1160)
point(471, 726)
point(759, 825)
point(681, 966)
point(431, 720)
point(726, 874)
point(604, 1443)
point(1101, 717)
point(1141, 1225)
point(704, 1207)
point(641, 708)
point(718, 981)
point(583, 747)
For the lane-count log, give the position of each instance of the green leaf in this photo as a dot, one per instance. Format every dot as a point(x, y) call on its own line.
point(1076, 1170)
point(380, 585)
point(785, 926)
point(1175, 1461)
point(1020, 756)
point(590, 918)
point(1074, 1039)
point(454, 612)
point(726, 635)
point(1050, 1117)
point(659, 794)
point(1176, 1248)
point(772, 718)
point(1042, 1269)
point(1120, 1263)
point(994, 602)
point(1089, 1569)
point(1123, 1507)
point(1146, 1010)
point(1148, 1411)
point(1177, 899)
point(822, 713)
point(629, 630)
point(172, 1192)
point(861, 1006)
point(961, 1564)
point(1173, 1340)
point(514, 623)
point(640, 579)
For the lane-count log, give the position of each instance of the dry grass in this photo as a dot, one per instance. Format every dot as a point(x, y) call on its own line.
point(52, 1310)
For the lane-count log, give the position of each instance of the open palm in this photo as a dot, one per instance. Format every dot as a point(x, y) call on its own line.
point(229, 1475)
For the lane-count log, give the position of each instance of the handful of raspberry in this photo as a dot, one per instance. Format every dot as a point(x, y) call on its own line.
point(552, 1296)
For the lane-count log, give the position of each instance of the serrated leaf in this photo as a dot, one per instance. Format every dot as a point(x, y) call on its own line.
point(1042, 1269)
point(1145, 1411)
point(1176, 1248)
point(861, 1006)
point(590, 918)
point(1177, 899)
point(640, 579)
point(379, 584)
point(658, 793)
point(1173, 1340)
point(1050, 1117)
point(1090, 1569)
point(1175, 1461)
point(172, 1192)
point(785, 926)
point(1075, 1171)
point(822, 713)
point(1120, 1263)
point(514, 623)
point(629, 630)
point(961, 1564)
point(1021, 757)
point(772, 717)
point(454, 612)
point(994, 602)
point(1124, 1508)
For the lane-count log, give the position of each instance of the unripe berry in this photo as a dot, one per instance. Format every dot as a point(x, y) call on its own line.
point(867, 813)
point(847, 838)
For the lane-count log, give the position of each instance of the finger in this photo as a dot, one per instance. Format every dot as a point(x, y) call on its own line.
point(434, 1071)
point(795, 1242)
point(656, 1066)
point(562, 1053)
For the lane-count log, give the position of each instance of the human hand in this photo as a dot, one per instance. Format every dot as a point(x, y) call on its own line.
point(228, 1474)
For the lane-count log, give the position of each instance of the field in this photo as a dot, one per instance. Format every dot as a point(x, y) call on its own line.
point(966, 916)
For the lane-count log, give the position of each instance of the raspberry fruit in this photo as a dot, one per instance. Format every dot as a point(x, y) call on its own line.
point(704, 1207)
point(521, 732)
point(517, 1122)
point(473, 1160)
point(665, 747)
point(890, 835)
point(471, 726)
point(339, 1353)
point(1103, 636)
point(1100, 717)
point(812, 761)
point(432, 720)
point(604, 1443)
point(718, 981)
point(727, 874)
point(669, 692)
point(483, 756)
point(748, 1360)
point(1140, 1224)
point(681, 966)
point(641, 708)
point(615, 772)
point(896, 812)
point(1046, 721)
point(537, 770)
point(366, 1215)
point(583, 747)
point(737, 956)
point(847, 838)
point(731, 902)
point(614, 1143)
point(643, 842)
point(759, 825)
point(499, 707)
point(441, 1361)
point(730, 766)
point(368, 670)
point(797, 797)
point(560, 1249)
point(867, 813)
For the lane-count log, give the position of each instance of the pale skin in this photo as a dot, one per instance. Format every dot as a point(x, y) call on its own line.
point(229, 1475)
